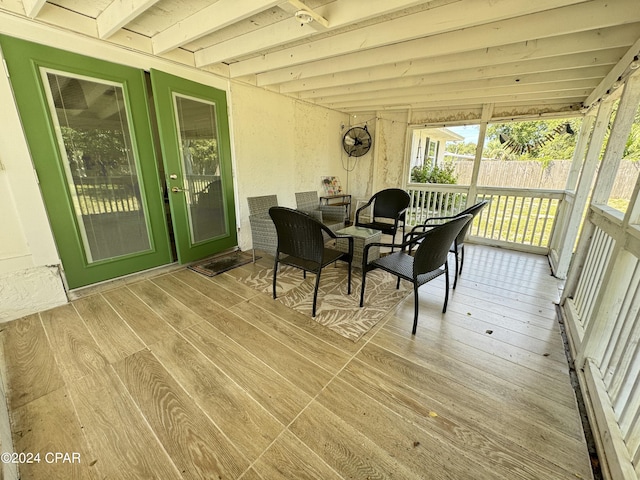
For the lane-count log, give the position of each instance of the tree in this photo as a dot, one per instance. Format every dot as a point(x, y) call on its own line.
point(543, 140)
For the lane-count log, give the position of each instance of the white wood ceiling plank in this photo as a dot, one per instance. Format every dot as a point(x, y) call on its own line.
point(32, 7)
point(522, 29)
point(588, 43)
point(467, 79)
point(119, 13)
point(339, 14)
point(482, 88)
point(447, 18)
point(569, 96)
point(214, 17)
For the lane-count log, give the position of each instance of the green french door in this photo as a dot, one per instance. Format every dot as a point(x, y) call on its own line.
point(194, 135)
point(90, 134)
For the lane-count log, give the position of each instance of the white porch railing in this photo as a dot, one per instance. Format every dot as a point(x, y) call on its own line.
point(516, 218)
point(602, 309)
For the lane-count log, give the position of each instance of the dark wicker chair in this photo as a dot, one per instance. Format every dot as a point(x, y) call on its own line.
point(391, 205)
point(428, 262)
point(301, 245)
point(457, 247)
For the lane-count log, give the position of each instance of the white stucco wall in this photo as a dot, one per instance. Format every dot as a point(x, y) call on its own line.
point(282, 146)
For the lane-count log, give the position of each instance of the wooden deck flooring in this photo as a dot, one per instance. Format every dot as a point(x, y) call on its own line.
point(181, 376)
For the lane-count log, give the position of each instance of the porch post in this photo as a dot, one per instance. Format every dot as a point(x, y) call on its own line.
point(617, 140)
point(565, 250)
point(563, 238)
point(487, 113)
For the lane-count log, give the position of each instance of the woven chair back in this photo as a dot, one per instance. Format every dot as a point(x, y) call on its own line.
point(258, 205)
point(473, 211)
point(435, 244)
point(299, 235)
point(389, 202)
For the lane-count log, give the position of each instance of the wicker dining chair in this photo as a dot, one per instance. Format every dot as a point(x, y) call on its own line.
point(427, 263)
point(389, 209)
point(457, 247)
point(263, 231)
point(301, 245)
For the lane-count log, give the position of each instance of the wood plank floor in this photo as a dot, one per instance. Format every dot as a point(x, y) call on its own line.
point(182, 376)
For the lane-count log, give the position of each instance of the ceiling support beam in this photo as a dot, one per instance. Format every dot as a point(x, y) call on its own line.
point(33, 7)
point(522, 29)
point(614, 74)
point(433, 22)
point(214, 17)
point(314, 75)
point(119, 13)
point(339, 13)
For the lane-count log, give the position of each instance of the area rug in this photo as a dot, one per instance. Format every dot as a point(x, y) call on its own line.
point(335, 309)
point(217, 265)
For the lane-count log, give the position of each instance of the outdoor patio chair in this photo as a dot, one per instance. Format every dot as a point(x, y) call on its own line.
point(263, 231)
point(301, 245)
point(457, 247)
point(428, 262)
point(331, 215)
point(389, 209)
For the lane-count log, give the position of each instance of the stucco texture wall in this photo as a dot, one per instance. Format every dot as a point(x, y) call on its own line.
point(281, 146)
point(391, 139)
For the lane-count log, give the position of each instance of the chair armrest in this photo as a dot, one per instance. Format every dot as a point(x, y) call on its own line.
point(401, 246)
point(426, 225)
point(368, 204)
point(349, 239)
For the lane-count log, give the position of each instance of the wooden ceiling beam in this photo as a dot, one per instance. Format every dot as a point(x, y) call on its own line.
point(592, 43)
point(339, 14)
point(119, 13)
point(532, 28)
point(573, 97)
point(214, 17)
point(487, 91)
point(470, 79)
point(32, 7)
point(434, 22)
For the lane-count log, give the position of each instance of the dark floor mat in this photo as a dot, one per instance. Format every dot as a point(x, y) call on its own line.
point(214, 266)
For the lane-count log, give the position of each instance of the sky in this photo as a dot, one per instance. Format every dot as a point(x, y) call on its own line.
point(469, 132)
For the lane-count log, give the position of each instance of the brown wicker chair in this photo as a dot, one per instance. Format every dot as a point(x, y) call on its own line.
point(391, 205)
point(301, 245)
point(428, 262)
point(457, 247)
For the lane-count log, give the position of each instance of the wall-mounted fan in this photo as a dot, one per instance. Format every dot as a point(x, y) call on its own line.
point(357, 141)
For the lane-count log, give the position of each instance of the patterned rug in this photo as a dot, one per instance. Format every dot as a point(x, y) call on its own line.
point(334, 309)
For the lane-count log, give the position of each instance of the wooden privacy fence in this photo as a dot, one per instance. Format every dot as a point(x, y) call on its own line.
point(533, 174)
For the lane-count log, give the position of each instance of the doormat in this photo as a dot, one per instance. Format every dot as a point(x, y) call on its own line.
point(215, 266)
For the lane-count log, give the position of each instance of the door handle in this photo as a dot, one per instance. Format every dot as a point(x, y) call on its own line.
point(176, 189)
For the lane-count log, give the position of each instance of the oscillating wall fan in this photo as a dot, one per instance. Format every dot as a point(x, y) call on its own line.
point(357, 141)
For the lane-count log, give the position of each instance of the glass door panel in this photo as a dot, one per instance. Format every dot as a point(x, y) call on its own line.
point(101, 171)
point(196, 152)
point(200, 157)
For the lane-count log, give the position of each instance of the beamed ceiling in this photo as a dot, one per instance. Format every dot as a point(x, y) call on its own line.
point(374, 55)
